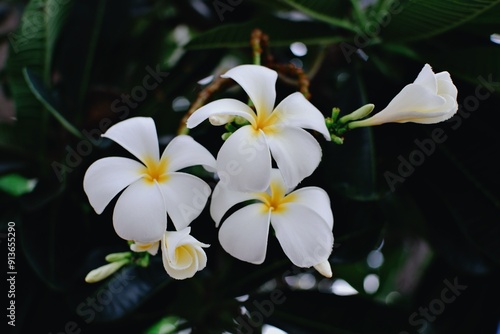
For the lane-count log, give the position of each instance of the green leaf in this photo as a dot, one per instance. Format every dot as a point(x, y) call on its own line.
point(16, 185)
point(129, 287)
point(56, 13)
point(421, 19)
point(43, 95)
point(32, 45)
point(326, 11)
point(167, 325)
point(280, 31)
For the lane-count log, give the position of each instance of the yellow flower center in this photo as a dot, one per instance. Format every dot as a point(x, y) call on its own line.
point(266, 122)
point(155, 170)
point(276, 200)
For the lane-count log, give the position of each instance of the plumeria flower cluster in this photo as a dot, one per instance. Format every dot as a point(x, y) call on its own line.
point(152, 188)
point(270, 151)
point(302, 220)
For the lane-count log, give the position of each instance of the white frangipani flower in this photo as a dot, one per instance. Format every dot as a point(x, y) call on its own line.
point(153, 187)
point(244, 160)
point(302, 221)
point(182, 254)
point(431, 98)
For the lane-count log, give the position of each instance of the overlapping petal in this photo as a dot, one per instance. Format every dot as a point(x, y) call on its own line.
point(306, 238)
point(224, 199)
point(138, 136)
point(259, 83)
point(183, 151)
point(426, 78)
point(296, 153)
point(221, 107)
point(317, 200)
point(140, 213)
point(185, 197)
point(244, 234)
point(106, 177)
point(244, 160)
point(150, 247)
point(296, 111)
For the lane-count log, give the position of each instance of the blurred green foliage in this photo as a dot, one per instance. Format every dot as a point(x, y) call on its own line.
point(73, 68)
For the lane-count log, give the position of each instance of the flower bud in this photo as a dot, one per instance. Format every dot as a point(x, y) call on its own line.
point(103, 272)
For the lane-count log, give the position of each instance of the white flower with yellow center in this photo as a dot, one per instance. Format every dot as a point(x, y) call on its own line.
point(153, 187)
point(302, 221)
point(431, 98)
point(244, 160)
point(182, 254)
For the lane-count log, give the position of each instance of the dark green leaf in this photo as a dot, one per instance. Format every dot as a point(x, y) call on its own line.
point(47, 100)
point(123, 293)
point(326, 11)
point(280, 31)
point(421, 19)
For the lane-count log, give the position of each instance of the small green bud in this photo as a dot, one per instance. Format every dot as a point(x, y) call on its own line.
point(335, 113)
point(113, 257)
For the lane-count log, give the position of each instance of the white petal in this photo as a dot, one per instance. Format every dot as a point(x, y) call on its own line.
point(324, 268)
point(150, 247)
point(244, 234)
point(259, 83)
point(278, 183)
point(140, 213)
point(183, 151)
point(296, 111)
point(185, 197)
point(172, 239)
point(445, 85)
point(224, 199)
point(106, 177)
point(303, 234)
point(296, 152)
point(138, 136)
point(427, 79)
point(220, 119)
point(413, 102)
point(221, 107)
point(244, 161)
point(317, 200)
point(444, 112)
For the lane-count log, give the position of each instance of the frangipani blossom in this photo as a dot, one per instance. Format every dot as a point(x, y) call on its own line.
point(153, 187)
point(431, 98)
point(182, 254)
point(244, 160)
point(302, 221)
